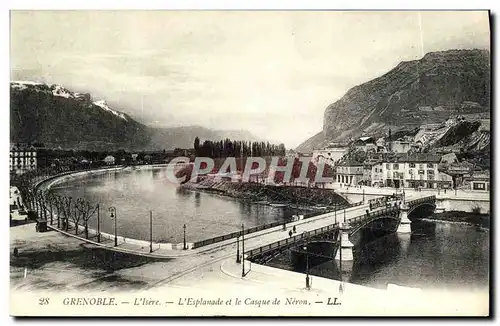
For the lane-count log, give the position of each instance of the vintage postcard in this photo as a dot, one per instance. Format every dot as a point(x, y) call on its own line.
point(250, 163)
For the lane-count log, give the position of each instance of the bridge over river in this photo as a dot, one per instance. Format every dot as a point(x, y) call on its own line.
point(215, 264)
point(336, 227)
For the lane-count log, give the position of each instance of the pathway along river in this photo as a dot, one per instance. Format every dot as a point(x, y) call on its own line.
point(135, 192)
point(436, 255)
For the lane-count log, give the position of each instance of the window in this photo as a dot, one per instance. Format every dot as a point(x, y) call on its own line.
point(421, 166)
point(412, 165)
point(478, 186)
point(430, 165)
point(387, 166)
point(430, 172)
point(396, 166)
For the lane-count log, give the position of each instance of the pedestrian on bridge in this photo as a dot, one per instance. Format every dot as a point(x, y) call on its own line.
point(290, 233)
point(294, 229)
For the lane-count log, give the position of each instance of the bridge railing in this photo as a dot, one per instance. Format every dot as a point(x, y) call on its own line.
point(236, 234)
point(382, 201)
point(265, 226)
point(363, 217)
point(309, 234)
point(359, 203)
point(290, 241)
point(421, 200)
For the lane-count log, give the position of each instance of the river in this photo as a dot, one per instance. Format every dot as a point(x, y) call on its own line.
point(135, 192)
point(435, 255)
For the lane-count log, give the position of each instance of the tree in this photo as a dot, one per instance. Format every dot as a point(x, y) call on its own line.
point(64, 207)
point(85, 211)
point(197, 145)
point(77, 214)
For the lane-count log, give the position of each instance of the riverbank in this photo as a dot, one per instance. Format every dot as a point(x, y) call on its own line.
point(459, 217)
point(292, 196)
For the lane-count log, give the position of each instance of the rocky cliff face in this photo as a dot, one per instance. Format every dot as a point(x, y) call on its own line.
point(429, 90)
point(465, 136)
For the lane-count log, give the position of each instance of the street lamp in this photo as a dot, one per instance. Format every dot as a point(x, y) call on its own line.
point(150, 231)
point(335, 212)
point(308, 285)
point(344, 214)
point(341, 288)
point(238, 260)
point(98, 223)
point(242, 250)
point(184, 227)
point(112, 215)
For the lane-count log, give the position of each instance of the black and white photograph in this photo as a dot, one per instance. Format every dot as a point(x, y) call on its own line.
point(203, 163)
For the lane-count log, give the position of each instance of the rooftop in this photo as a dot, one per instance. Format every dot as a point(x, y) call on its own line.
point(414, 157)
point(350, 163)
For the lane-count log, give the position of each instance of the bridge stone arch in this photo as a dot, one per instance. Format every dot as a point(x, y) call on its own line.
point(430, 206)
point(356, 227)
point(317, 251)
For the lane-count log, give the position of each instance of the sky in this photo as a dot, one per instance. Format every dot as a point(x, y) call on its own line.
point(272, 73)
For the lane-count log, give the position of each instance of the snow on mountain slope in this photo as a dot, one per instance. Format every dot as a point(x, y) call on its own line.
point(102, 104)
point(24, 84)
point(58, 90)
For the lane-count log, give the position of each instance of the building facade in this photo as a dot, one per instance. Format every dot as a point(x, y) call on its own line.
point(22, 159)
point(329, 155)
point(365, 144)
point(400, 146)
point(349, 173)
point(377, 175)
point(413, 171)
point(479, 181)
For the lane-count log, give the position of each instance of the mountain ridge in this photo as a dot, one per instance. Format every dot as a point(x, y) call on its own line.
point(432, 89)
point(58, 117)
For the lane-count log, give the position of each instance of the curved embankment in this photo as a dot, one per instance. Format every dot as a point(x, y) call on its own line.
point(47, 183)
point(309, 198)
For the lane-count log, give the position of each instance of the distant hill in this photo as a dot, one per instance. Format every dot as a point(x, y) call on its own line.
point(309, 145)
point(429, 90)
point(183, 137)
point(58, 117)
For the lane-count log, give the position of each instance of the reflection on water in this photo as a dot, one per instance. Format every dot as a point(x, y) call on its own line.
point(435, 255)
point(136, 192)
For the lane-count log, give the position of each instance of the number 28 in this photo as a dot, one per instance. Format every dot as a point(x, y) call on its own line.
point(43, 301)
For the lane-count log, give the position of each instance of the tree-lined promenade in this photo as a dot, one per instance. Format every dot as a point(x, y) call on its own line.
point(64, 211)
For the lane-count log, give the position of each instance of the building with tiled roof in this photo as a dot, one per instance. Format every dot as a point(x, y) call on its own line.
point(417, 170)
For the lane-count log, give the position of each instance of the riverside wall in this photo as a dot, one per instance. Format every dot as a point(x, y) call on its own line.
point(47, 183)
